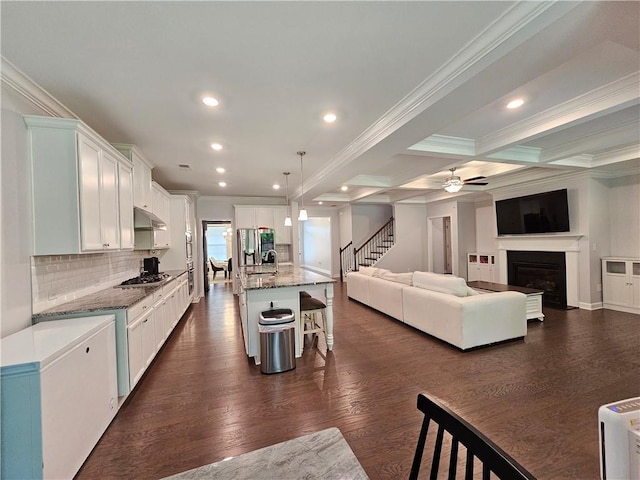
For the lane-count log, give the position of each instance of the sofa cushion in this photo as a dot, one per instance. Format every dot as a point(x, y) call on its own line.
point(440, 283)
point(372, 271)
point(404, 278)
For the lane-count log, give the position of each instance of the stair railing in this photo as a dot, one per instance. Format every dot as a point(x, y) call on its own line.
point(375, 246)
point(346, 260)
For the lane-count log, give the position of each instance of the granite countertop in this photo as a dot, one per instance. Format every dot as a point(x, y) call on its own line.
point(322, 455)
point(287, 276)
point(111, 298)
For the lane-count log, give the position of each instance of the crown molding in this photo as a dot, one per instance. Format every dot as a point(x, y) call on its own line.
point(614, 96)
point(516, 20)
point(622, 133)
point(13, 78)
point(446, 144)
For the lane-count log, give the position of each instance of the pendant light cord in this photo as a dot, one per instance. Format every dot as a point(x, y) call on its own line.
point(301, 153)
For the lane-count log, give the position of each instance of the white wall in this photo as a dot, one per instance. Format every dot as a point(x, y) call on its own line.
point(624, 216)
point(15, 286)
point(409, 252)
point(366, 220)
point(485, 227)
point(346, 232)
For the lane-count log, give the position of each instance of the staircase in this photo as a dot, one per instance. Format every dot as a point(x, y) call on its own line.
point(369, 252)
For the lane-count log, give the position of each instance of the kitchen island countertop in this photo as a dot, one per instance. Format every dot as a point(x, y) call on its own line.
point(287, 276)
point(111, 298)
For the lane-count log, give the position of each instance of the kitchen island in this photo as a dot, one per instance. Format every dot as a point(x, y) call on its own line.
point(261, 289)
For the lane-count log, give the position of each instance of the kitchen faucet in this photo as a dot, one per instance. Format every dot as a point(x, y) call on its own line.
point(275, 258)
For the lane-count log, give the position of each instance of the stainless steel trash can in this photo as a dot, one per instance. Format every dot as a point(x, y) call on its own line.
point(277, 340)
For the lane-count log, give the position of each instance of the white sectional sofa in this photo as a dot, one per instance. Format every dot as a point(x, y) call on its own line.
point(442, 306)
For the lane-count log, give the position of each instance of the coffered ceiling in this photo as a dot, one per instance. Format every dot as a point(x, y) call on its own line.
point(417, 87)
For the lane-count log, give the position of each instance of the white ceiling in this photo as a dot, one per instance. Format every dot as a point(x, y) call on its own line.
point(418, 87)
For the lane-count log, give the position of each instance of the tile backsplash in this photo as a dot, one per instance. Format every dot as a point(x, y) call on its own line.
point(56, 279)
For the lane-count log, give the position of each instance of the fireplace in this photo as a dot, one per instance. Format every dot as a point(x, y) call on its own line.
point(541, 270)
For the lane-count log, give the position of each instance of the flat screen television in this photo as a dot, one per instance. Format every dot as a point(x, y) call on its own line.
point(540, 213)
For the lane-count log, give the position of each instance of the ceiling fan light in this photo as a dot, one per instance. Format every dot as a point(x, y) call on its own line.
point(453, 184)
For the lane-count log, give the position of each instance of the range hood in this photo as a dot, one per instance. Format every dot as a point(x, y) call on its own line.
point(143, 220)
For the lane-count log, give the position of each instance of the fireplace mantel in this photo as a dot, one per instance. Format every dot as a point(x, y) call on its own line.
point(549, 243)
point(570, 244)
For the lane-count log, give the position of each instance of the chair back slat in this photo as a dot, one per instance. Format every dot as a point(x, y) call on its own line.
point(453, 460)
point(478, 446)
point(435, 461)
point(468, 473)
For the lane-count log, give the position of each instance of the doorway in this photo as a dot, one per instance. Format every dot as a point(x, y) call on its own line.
point(315, 242)
point(440, 251)
point(217, 245)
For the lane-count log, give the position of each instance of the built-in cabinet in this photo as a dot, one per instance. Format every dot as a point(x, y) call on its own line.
point(125, 182)
point(59, 394)
point(181, 209)
point(142, 194)
point(621, 284)
point(482, 266)
point(76, 188)
point(248, 216)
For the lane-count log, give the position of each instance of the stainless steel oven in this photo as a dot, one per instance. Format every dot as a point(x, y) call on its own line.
point(189, 247)
point(190, 276)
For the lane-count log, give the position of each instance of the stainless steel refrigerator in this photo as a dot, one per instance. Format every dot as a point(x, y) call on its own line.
point(253, 245)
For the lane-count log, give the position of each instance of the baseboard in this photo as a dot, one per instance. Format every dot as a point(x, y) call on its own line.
point(590, 306)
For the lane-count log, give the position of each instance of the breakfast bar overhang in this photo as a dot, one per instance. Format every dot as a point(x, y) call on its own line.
point(262, 290)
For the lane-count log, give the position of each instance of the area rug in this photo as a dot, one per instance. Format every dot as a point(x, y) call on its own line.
point(322, 455)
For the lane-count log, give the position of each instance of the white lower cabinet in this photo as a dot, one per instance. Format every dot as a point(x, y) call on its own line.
point(621, 284)
point(482, 266)
point(136, 356)
point(59, 394)
point(149, 324)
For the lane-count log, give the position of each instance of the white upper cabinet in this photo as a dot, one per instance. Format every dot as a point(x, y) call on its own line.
point(247, 216)
point(75, 184)
point(142, 192)
point(125, 202)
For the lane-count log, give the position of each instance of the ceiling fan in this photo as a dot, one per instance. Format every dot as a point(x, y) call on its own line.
point(454, 183)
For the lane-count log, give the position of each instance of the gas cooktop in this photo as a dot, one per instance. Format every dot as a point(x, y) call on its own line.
point(145, 280)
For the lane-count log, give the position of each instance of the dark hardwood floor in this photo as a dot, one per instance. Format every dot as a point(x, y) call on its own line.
point(203, 400)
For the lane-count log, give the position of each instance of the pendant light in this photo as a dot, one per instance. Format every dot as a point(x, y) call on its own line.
point(287, 219)
point(303, 212)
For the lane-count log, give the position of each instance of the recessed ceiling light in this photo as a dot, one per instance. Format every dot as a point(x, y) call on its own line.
point(222, 184)
point(210, 101)
point(344, 188)
point(276, 186)
point(220, 170)
point(319, 203)
point(518, 102)
point(216, 146)
point(330, 117)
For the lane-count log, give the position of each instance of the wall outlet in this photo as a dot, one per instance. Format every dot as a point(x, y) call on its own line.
point(595, 246)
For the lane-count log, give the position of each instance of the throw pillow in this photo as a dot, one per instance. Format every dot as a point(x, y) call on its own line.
point(404, 278)
point(440, 283)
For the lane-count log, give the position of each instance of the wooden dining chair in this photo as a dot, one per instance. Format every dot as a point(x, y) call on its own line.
point(490, 456)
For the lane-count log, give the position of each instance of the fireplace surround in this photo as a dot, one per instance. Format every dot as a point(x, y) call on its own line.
point(570, 245)
point(541, 270)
